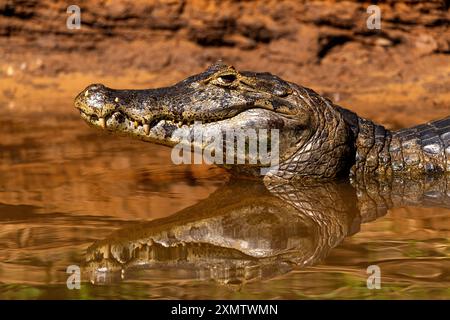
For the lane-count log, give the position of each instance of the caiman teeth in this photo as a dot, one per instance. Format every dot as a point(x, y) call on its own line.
point(102, 122)
point(146, 129)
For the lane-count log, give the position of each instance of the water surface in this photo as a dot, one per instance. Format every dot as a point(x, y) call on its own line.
point(65, 187)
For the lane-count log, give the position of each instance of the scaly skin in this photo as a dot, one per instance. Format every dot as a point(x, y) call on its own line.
point(412, 152)
point(318, 139)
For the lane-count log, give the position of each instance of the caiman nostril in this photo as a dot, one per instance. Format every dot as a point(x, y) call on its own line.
point(95, 87)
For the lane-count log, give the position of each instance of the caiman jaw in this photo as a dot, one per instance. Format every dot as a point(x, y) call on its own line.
point(160, 128)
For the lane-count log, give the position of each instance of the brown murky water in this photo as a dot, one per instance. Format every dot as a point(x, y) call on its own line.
point(64, 186)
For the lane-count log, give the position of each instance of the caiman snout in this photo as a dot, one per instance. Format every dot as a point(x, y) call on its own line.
point(95, 103)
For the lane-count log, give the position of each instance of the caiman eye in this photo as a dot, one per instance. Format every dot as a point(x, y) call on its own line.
point(228, 78)
point(225, 79)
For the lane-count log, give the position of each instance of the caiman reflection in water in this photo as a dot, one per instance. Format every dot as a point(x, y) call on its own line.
point(248, 231)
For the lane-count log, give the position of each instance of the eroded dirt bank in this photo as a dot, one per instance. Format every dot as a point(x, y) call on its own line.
point(399, 75)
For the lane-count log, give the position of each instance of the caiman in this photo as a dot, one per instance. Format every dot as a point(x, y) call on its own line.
point(318, 140)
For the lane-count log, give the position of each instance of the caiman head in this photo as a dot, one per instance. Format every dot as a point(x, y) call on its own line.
point(312, 140)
